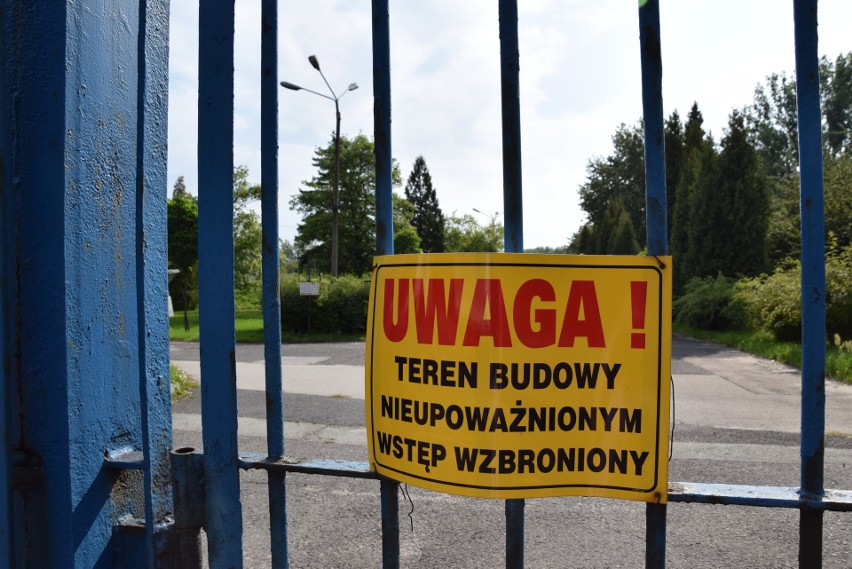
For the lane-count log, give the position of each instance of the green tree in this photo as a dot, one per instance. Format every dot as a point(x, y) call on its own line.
point(428, 219)
point(784, 232)
point(546, 250)
point(613, 234)
point(773, 122)
point(179, 189)
point(464, 234)
point(356, 218)
point(743, 205)
point(838, 199)
point(705, 219)
point(244, 191)
point(697, 173)
point(674, 146)
point(773, 126)
point(616, 235)
point(405, 237)
point(836, 89)
point(356, 225)
point(248, 235)
point(583, 241)
point(182, 231)
point(619, 176)
point(289, 257)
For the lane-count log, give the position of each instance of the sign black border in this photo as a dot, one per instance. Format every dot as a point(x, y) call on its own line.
point(437, 482)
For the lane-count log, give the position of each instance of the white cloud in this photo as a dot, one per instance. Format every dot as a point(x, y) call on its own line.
point(580, 79)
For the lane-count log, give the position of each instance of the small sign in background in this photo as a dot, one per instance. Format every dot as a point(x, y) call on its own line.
point(309, 288)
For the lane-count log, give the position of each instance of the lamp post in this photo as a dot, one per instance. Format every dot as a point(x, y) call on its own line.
point(491, 219)
point(335, 200)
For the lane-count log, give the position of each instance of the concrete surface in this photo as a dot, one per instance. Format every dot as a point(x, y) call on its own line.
point(737, 422)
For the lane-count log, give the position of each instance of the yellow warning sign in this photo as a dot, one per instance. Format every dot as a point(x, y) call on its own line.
point(520, 376)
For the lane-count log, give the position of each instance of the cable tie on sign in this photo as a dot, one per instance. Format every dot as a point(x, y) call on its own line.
point(662, 264)
point(405, 493)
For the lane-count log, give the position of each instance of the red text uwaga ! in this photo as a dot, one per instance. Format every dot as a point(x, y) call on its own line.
point(436, 306)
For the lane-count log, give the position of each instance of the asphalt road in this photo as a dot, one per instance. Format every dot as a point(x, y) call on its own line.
point(736, 422)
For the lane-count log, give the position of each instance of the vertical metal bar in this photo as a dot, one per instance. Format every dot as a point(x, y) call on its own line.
point(382, 127)
point(655, 535)
point(151, 269)
point(655, 210)
point(652, 112)
point(384, 229)
point(515, 533)
point(216, 282)
point(513, 212)
point(34, 162)
point(6, 263)
point(813, 275)
point(390, 524)
point(271, 277)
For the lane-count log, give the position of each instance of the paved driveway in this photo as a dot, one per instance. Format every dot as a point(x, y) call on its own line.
point(737, 421)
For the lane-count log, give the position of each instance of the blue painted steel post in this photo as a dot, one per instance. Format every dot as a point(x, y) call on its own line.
point(513, 214)
point(652, 112)
point(83, 132)
point(7, 262)
point(384, 229)
point(655, 209)
point(390, 523)
point(271, 278)
point(813, 276)
point(151, 281)
point(216, 283)
point(382, 127)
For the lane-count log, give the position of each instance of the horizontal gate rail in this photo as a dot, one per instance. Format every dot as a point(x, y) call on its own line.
point(681, 492)
point(342, 468)
point(761, 496)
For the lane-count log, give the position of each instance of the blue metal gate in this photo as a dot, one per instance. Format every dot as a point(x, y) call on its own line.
point(84, 405)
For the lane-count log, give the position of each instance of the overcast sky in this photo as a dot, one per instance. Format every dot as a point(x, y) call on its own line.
point(580, 79)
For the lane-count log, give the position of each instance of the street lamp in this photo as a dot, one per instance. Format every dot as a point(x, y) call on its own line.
point(335, 201)
point(491, 219)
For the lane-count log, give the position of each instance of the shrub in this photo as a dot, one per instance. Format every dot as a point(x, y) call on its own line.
point(838, 292)
point(774, 302)
point(341, 306)
point(295, 308)
point(708, 303)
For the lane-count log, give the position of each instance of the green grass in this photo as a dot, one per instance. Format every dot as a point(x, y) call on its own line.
point(182, 384)
point(248, 330)
point(838, 363)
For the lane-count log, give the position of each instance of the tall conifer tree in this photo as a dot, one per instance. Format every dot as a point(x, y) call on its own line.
point(674, 163)
point(741, 241)
point(428, 218)
point(693, 142)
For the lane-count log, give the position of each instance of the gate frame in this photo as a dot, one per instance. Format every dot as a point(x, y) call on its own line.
point(62, 503)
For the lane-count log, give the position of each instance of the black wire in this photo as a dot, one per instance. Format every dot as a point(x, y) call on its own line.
point(407, 496)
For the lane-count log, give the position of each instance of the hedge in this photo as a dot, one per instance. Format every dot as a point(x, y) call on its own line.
point(341, 306)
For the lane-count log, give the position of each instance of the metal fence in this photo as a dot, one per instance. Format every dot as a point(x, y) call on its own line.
point(811, 498)
point(163, 528)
